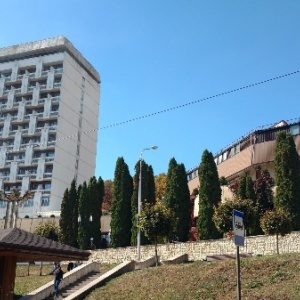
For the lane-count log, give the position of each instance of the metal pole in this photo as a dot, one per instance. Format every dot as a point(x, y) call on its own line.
point(138, 238)
point(238, 273)
point(138, 241)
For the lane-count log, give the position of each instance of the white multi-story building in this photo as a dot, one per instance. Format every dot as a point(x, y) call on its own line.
point(49, 106)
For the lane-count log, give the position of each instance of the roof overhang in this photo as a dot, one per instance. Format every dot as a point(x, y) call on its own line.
point(26, 246)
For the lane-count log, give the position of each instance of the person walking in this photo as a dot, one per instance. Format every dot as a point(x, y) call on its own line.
point(58, 276)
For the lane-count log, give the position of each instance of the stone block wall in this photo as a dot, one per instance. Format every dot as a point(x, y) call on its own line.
point(258, 245)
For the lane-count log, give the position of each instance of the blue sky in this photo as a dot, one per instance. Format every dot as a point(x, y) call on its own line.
point(154, 55)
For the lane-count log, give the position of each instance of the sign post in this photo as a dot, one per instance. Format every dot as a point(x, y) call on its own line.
point(239, 239)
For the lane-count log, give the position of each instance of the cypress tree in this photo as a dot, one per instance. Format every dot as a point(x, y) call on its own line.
point(73, 199)
point(177, 198)
point(184, 206)
point(150, 185)
point(209, 197)
point(84, 213)
point(64, 221)
point(68, 222)
point(121, 218)
point(250, 192)
point(95, 205)
point(241, 191)
point(287, 177)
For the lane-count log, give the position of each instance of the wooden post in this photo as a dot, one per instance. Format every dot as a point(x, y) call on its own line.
point(8, 265)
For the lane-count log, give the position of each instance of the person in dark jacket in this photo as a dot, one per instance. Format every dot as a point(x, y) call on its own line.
point(58, 276)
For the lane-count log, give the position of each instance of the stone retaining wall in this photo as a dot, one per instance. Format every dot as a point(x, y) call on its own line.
point(258, 245)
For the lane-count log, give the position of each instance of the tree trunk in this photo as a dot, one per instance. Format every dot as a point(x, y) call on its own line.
point(7, 215)
point(277, 246)
point(156, 257)
point(41, 268)
point(12, 216)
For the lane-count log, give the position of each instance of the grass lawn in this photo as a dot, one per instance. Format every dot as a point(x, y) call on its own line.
point(262, 278)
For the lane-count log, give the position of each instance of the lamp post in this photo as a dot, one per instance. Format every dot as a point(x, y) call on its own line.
point(138, 239)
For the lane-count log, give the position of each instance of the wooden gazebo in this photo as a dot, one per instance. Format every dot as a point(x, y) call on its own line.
point(17, 245)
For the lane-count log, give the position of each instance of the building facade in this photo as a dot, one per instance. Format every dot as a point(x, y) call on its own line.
point(49, 107)
point(249, 155)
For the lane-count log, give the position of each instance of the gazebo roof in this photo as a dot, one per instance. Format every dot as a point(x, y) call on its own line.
point(30, 247)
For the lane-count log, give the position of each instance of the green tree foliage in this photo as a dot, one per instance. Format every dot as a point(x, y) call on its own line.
point(209, 197)
point(177, 198)
point(121, 218)
point(47, 230)
point(276, 222)
point(250, 192)
point(264, 193)
point(68, 217)
point(95, 198)
point(241, 191)
point(64, 222)
point(73, 199)
point(147, 194)
point(223, 181)
point(287, 177)
point(84, 213)
point(264, 197)
point(183, 212)
point(223, 215)
point(157, 222)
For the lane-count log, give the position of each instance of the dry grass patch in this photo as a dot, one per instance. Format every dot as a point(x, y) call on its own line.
point(268, 278)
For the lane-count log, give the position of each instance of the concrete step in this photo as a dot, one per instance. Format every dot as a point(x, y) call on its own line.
point(75, 286)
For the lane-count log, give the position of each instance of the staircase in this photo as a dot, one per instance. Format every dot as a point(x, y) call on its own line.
point(76, 285)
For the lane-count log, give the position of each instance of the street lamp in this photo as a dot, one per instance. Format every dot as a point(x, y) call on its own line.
point(138, 239)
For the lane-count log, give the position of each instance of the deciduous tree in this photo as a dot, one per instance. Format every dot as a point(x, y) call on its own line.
point(223, 215)
point(276, 222)
point(264, 193)
point(108, 195)
point(160, 186)
point(157, 222)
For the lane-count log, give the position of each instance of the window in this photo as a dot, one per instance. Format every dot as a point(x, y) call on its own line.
point(45, 201)
point(294, 130)
point(232, 152)
point(50, 154)
point(48, 186)
point(2, 204)
point(49, 169)
point(27, 203)
point(52, 138)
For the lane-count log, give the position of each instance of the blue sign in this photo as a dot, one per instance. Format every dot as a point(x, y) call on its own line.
point(238, 228)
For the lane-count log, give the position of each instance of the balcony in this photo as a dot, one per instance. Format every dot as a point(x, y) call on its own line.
point(58, 71)
point(49, 159)
point(57, 85)
point(8, 78)
point(47, 175)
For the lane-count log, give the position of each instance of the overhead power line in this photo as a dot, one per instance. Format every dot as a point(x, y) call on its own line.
point(200, 100)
